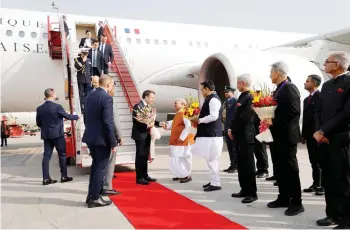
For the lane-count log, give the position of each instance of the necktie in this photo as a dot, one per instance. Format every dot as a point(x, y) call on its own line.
point(309, 99)
point(94, 58)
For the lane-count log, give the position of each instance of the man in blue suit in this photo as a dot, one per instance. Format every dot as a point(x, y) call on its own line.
point(229, 107)
point(49, 117)
point(100, 137)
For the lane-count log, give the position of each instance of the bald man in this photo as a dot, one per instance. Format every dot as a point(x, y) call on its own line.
point(94, 82)
point(100, 137)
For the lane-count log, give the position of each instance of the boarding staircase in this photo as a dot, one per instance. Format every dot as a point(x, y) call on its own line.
point(54, 39)
point(126, 94)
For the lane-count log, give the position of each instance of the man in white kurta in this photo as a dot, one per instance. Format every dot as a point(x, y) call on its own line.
point(209, 138)
point(180, 144)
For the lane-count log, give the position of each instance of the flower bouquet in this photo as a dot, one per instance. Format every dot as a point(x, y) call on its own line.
point(147, 115)
point(264, 105)
point(192, 111)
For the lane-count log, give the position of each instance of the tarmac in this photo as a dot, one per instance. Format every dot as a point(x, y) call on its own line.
point(26, 204)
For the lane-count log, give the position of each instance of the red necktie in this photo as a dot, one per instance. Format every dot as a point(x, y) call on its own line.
point(309, 99)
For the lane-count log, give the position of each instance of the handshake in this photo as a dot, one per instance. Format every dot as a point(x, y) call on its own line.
point(163, 124)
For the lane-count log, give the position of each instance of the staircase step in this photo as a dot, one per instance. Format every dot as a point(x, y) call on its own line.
point(122, 111)
point(120, 99)
point(123, 105)
point(126, 125)
point(124, 117)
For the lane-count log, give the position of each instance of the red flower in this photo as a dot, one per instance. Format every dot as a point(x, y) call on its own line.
point(238, 104)
point(340, 90)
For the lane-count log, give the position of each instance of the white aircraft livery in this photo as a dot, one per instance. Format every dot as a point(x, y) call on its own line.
point(152, 50)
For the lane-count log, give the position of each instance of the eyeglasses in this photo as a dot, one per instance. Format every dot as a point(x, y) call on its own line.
point(327, 62)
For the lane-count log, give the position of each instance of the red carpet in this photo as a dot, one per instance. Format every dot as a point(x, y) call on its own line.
point(157, 207)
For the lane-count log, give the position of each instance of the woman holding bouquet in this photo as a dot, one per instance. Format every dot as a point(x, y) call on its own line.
point(180, 141)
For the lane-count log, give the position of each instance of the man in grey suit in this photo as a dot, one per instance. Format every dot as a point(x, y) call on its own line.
point(107, 185)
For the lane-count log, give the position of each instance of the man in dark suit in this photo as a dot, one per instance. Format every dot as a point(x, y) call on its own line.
point(100, 137)
point(100, 31)
point(142, 137)
point(83, 66)
point(87, 41)
point(311, 123)
point(286, 135)
point(107, 54)
point(49, 117)
point(96, 57)
point(243, 131)
point(334, 139)
point(229, 107)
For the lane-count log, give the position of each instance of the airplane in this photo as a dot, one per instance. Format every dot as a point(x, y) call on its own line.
point(152, 49)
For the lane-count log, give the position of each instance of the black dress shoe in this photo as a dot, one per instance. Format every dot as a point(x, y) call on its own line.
point(49, 181)
point(262, 175)
point(149, 179)
point(142, 181)
point(233, 170)
point(228, 169)
point(176, 179)
point(328, 221)
point(87, 199)
point(206, 185)
point(312, 188)
point(294, 210)
point(110, 192)
point(278, 204)
point(249, 199)
point(66, 179)
point(186, 179)
point(342, 226)
point(275, 183)
point(319, 191)
point(98, 203)
point(238, 195)
point(211, 188)
point(271, 178)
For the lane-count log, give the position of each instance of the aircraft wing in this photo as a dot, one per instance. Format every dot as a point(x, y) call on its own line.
point(340, 36)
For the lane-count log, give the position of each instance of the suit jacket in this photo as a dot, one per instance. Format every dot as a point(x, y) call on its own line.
point(285, 125)
point(82, 42)
point(139, 130)
point(107, 54)
point(229, 107)
point(99, 59)
point(99, 120)
point(311, 115)
point(242, 125)
point(117, 124)
point(84, 69)
point(335, 110)
point(49, 117)
point(100, 32)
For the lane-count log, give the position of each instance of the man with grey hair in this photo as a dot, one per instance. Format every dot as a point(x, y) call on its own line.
point(286, 134)
point(49, 117)
point(180, 143)
point(243, 131)
point(333, 137)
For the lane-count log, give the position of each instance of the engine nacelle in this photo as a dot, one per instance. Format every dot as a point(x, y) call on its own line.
point(224, 68)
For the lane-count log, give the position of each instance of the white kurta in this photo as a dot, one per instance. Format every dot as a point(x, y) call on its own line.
point(210, 148)
point(181, 156)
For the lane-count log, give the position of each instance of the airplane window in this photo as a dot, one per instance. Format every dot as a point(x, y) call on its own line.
point(190, 43)
point(198, 44)
point(45, 35)
point(147, 41)
point(9, 33)
point(173, 43)
point(33, 34)
point(138, 41)
point(250, 46)
point(21, 34)
point(128, 40)
point(236, 45)
point(206, 45)
point(156, 42)
point(165, 42)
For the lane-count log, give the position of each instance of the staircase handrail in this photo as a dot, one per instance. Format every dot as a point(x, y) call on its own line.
point(114, 41)
point(66, 58)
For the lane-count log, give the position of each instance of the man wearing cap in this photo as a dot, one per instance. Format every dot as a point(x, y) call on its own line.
point(228, 109)
point(84, 73)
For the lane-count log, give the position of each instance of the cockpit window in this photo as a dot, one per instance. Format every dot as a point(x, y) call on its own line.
point(45, 35)
point(9, 33)
point(33, 34)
